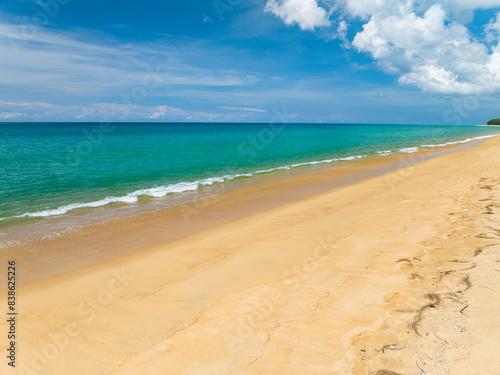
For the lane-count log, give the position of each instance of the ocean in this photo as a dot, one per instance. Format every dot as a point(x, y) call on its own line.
point(56, 169)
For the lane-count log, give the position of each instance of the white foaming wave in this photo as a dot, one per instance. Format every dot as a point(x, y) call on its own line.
point(328, 161)
point(285, 167)
point(351, 158)
point(451, 143)
point(162, 191)
point(464, 141)
point(312, 163)
point(409, 150)
point(156, 192)
point(74, 206)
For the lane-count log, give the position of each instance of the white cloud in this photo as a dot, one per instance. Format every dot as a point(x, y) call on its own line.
point(166, 111)
point(473, 4)
point(178, 114)
point(202, 116)
point(89, 64)
point(429, 51)
point(437, 79)
point(244, 109)
point(492, 29)
point(29, 105)
point(88, 113)
point(123, 112)
point(368, 8)
point(11, 115)
point(102, 111)
point(305, 13)
point(425, 42)
point(127, 112)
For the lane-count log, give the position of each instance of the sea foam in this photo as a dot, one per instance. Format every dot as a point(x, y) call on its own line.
point(180, 187)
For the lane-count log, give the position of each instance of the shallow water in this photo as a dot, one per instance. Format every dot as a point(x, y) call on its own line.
point(57, 169)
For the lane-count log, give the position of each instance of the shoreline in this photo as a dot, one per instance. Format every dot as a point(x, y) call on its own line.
point(144, 194)
point(108, 240)
point(391, 273)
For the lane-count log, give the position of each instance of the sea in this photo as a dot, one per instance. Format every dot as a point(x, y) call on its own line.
point(61, 169)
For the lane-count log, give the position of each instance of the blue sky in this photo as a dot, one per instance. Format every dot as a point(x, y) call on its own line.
point(384, 61)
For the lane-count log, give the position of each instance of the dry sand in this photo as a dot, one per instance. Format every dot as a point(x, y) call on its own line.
point(394, 274)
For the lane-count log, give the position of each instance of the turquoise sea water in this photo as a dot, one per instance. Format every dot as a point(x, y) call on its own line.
point(53, 169)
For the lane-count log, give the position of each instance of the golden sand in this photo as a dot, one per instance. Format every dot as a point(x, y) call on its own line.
point(393, 274)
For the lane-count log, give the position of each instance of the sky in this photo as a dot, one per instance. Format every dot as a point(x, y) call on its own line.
point(332, 61)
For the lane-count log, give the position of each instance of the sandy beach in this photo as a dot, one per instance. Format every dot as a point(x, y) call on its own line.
point(395, 274)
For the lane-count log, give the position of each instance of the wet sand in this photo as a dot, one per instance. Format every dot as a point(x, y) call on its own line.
point(392, 274)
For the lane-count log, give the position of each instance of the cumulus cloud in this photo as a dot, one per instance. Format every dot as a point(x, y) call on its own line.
point(305, 13)
point(425, 42)
point(473, 4)
point(368, 8)
point(492, 29)
point(165, 111)
point(430, 51)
